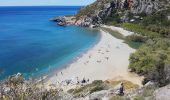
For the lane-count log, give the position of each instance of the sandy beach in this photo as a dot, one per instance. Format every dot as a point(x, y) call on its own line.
point(119, 29)
point(108, 59)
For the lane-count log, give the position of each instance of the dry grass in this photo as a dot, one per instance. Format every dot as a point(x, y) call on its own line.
point(127, 84)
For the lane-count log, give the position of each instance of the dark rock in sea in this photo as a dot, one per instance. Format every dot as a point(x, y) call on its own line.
point(58, 19)
point(61, 21)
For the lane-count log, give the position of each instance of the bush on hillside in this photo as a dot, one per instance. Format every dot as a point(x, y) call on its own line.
point(163, 31)
point(16, 88)
point(150, 60)
point(90, 9)
point(136, 38)
point(140, 29)
point(158, 18)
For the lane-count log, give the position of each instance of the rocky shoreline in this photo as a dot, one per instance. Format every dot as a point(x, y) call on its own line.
point(72, 20)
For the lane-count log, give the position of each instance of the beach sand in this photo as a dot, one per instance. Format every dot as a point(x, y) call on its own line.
point(108, 59)
point(119, 29)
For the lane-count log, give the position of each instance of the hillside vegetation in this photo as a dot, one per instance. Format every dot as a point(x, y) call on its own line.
point(91, 9)
point(153, 58)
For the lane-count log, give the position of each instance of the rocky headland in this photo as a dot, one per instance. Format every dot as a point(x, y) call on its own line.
point(101, 11)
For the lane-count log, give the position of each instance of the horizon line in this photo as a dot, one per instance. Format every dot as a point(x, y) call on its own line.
point(35, 5)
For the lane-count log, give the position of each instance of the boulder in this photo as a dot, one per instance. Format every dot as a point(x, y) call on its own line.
point(167, 73)
point(150, 84)
point(61, 21)
point(168, 17)
point(162, 93)
point(58, 19)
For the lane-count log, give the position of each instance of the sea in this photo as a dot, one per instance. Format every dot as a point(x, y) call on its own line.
point(33, 45)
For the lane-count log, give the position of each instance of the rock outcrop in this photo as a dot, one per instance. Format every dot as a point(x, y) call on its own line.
point(115, 6)
point(162, 93)
point(61, 21)
point(145, 6)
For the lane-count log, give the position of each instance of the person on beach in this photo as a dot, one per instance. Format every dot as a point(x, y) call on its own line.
point(84, 80)
point(77, 80)
point(88, 80)
point(107, 58)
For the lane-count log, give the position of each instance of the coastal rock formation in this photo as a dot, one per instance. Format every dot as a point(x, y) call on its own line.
point(118, 8)
point(63, 20)
point(102, 10)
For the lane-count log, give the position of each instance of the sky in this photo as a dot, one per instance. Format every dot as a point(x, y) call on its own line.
point(44, 2)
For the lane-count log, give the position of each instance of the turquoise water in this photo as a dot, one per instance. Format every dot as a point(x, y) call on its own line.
point(32, 45)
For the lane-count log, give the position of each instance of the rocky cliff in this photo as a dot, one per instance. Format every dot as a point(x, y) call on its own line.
point(145, 6)
point(119, 8)
point(103, 11)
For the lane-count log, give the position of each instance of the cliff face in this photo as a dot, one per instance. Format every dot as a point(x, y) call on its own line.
point(145, 6)
point(102, 9)
point(135, 6)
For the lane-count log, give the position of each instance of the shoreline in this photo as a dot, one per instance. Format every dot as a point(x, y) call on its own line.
point(52, 73)
point(100, 62)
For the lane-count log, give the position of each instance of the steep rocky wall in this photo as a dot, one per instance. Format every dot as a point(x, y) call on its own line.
point(134, 6)
point(94, 15)
point(145, 6)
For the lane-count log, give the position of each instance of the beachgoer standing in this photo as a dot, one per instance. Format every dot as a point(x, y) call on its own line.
point(84, 80)
point(121, 89)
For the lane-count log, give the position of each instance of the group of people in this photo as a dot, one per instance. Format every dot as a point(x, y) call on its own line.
point(84, 81)
point(75, 81)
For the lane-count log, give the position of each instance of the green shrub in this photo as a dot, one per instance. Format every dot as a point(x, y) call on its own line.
point(89, 10)
point(162, 30)
point(158, 18)
point(136, 38)
point(148, 91)
point(96, 85)
point(70, 91)
point(114, 33)
point(150, 59)
point(117, 97)
point(96, 88)
point(140, 29)
point(139, 97)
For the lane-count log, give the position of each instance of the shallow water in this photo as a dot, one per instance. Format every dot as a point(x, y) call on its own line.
point(31, 44)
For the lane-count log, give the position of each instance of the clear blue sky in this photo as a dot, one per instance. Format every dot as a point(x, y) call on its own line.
point(44, 2)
